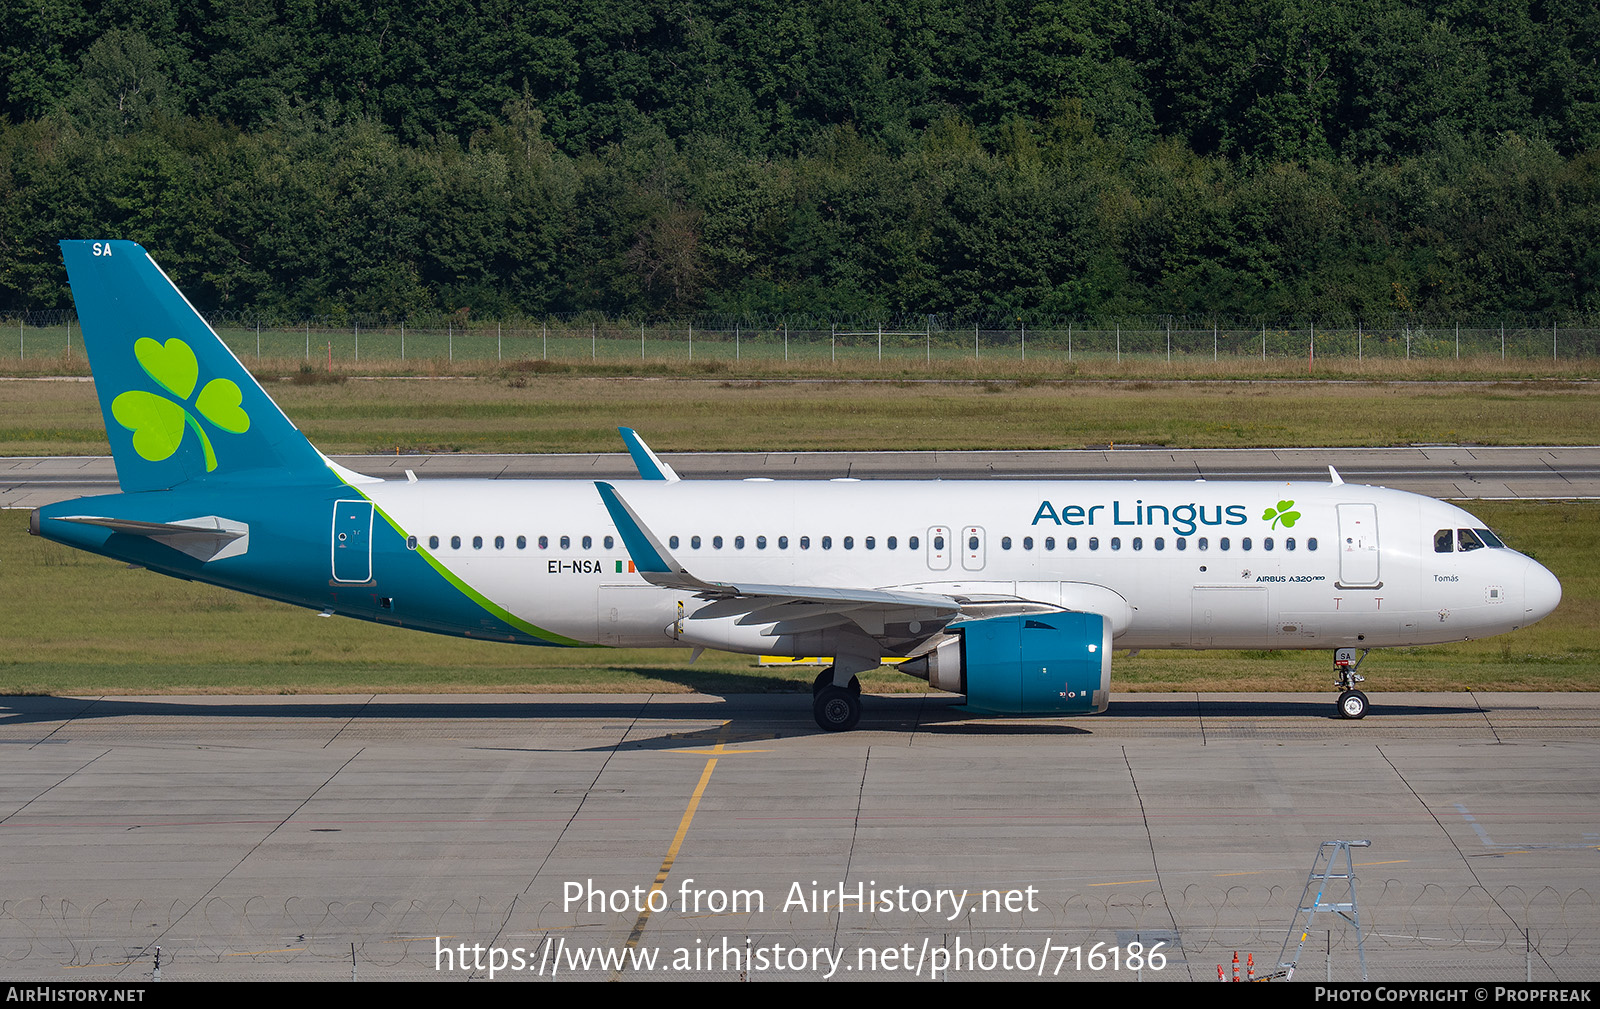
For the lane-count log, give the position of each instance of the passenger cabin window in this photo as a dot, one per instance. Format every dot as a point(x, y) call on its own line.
point(1094, 543)
point(738, 542)
point(1005, 543)
point(870, 542)
point(588, 541)
point(672, 542)
point(411, 542)
point(433, 542)
point(566, 542)
point(1311, 542)
point(455, 543)
point(477, 542)
point(499, 542)
point(827, 542)
point(694, 542)
point(890, 543)
point(849, 542)
point(805, 543)
point(716, 541)
point(522, 542)
point(761, 542)
point(911, 543)
point(783, 542)
point(608, 542)
point(544, 543)
point(1049, 542)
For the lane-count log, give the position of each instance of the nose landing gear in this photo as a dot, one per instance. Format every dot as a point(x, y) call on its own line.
point(1352, 702)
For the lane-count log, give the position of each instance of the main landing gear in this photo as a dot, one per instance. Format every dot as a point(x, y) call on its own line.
point(836, 709)
point(1352, 702)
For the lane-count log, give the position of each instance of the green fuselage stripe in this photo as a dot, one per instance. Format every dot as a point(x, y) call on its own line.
point(489, 606)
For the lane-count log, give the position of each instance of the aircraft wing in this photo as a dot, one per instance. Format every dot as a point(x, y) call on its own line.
point(794, 607)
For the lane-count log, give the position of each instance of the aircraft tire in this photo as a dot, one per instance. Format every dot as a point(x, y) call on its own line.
point(1352, 704)
point(836, 709)
point(825, 678)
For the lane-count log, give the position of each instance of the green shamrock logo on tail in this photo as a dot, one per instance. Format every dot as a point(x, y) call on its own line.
point(1283, 513)
point(157, 422)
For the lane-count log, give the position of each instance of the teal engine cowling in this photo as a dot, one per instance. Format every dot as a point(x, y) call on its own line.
point(1032, 664)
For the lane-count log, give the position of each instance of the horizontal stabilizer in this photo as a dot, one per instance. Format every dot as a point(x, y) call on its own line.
point(205, 539)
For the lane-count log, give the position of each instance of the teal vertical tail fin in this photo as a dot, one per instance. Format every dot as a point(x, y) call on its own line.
point(178, 404)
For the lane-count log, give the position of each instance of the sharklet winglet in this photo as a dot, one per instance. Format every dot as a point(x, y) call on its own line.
point(649, 465)
point(658, 567)
point(650, 557)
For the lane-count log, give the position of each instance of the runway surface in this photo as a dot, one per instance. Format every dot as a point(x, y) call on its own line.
point(1445, 471)
point(275, 837)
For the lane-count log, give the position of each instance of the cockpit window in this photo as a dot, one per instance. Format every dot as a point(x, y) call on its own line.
point(1469, 540)
point(1490, 539)
point(1444, 541)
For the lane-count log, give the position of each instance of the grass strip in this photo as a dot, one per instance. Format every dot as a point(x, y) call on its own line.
point(576, 414)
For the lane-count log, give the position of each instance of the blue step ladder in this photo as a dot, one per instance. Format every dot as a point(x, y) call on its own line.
point(1328, 883)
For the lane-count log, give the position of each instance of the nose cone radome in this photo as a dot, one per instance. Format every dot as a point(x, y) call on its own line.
point(1541, 592)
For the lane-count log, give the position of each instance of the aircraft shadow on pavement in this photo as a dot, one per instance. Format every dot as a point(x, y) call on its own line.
point(748, 714)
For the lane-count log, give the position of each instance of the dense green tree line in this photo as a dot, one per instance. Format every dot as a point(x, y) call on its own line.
point(827, 157)
point(1272, 78)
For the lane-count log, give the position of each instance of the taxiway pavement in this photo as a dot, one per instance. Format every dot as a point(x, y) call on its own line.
point(1444, 471)
point(278, 837)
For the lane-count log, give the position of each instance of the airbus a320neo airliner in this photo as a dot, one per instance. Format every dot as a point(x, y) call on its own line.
point(1011, 593)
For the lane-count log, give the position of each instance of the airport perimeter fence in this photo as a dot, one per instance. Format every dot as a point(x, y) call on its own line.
point(47, 335)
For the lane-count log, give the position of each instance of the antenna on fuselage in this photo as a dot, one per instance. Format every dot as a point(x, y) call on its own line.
point(1337, 479)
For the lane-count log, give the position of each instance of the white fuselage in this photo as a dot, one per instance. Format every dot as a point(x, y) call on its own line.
point(1169, 564)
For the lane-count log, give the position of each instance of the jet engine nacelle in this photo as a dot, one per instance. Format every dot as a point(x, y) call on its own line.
point(1031, 664)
